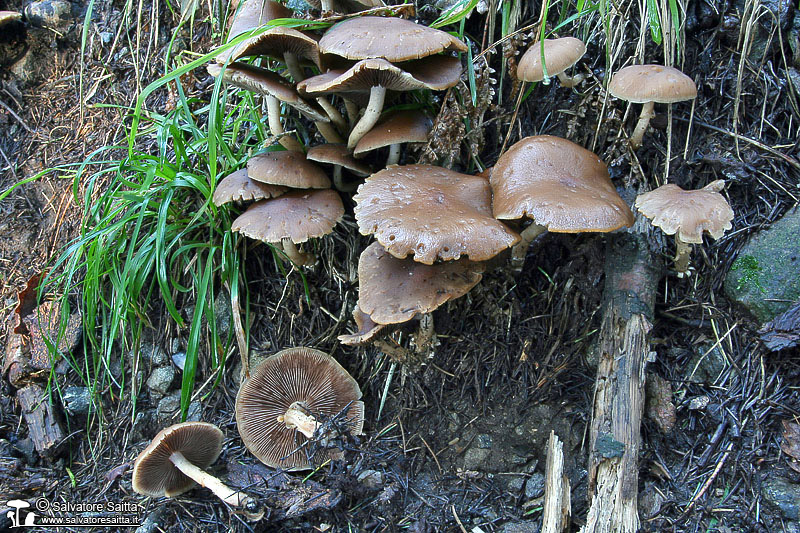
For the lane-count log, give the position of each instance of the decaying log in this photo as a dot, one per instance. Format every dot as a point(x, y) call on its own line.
point(44, 426)
point(556, 490)
point(632, 274)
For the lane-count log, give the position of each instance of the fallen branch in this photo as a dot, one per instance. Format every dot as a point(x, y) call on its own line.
point(557, 498)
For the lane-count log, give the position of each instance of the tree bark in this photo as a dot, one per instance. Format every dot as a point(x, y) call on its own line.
point(632, 274)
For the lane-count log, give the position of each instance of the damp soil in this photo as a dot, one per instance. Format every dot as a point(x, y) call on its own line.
point(454, 442)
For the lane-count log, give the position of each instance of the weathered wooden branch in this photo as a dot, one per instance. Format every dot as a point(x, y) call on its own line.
point(632, 272)
point(556, 490)
point(44, 425)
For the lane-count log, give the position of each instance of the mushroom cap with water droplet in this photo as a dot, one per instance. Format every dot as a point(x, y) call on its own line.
point(559, 55)
point(310, 377)
point(559, 185)
point(431, 213)
point(687, 213)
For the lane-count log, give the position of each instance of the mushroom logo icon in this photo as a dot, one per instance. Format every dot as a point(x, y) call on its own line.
point(14, 515)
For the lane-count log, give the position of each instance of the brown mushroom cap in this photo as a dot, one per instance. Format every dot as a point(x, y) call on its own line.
point(389, 38)
point(436, 73)
point(559, 55)
point(263, 81)
point(652, 83)
point(296, 215)
point(367, 329)
point(287, 168)
point(155, 475)
point(688, 213)
point(348, 6)
point(275, 42)
point(558, 184)
point(432, 213)
point(238, 187)
point(250, 15)
point(398, 127)
point(392, 290)
point(303, 375)
point(9, 16)
point(337, 154)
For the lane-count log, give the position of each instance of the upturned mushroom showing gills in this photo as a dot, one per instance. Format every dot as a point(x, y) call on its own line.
point(687, 214)
point(239, 187)
point(559, 55)
point(560, 186)
point(648, 85)
point(291, 397)
point(175, 460)
point(431, 213)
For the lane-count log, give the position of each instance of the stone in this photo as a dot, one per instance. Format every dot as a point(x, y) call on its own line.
point(143, 427)
point(514, 484)
point(195, 412)
point(152, 354)
point(783, 494)
point(522, 526)
point(53, 14)
point(169, 408)
point(484, 441)
point(370, 479)
point(160, 380)
point(152, 521)
point(475, 458)
point(706, 365)
point(534, 487)
point(222, 312)
point(765, 278)
point(77, 400)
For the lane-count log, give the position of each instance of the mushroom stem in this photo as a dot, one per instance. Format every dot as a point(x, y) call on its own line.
point(352, 112)
point(371, 115)
point(275, 126)
point(333, 114)
point(338, 181)
point(296, 418)
point(641, 126)
point(570, 81)
point(293, 66)
point(683, 251)
point(520, 249)
point(425, 339)
point(294, 255)
point(394, 154)
point(328, 132)
point(232, 497)
point(327, 6)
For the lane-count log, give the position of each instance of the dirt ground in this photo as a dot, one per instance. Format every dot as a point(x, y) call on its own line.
point(456, 442)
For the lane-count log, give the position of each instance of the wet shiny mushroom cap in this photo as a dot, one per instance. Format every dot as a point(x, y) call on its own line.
point(275, 42)
point(287, 168)
point(688, 213)
point(392, 290)
point(432, 213)
point(652, 83)
point(262, 81)
point(238, 187)
point(337, 154)
point(389, 38)
point(559, 185)
point(367, 329)
point(436, 73)
point(559, 55)
point(296, 215)
point(153, 472)
point(399, 127)
point(250, 15)
point(303, 375)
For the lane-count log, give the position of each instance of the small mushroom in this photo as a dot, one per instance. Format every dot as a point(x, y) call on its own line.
point(432, 213)
point(338, 156)
point(238, 187)
point(288, 169)
point(379, 75)
point(174, 462)
point(687, 214)
point(560, 186)
point(648, 84)
point(559, 55)
point(287, 400)
point(397, 128)
point(291, 219)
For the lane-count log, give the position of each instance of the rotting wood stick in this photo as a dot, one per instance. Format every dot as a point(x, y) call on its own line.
point(44, 427)
point(555, 518)
point(632, 273)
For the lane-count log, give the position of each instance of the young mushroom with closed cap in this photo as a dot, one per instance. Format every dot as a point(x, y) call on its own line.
point(560, 186)
point(174, 461)
point(648, 85)
point(559, 55)
point(687, 214)
point(286, 401)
